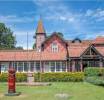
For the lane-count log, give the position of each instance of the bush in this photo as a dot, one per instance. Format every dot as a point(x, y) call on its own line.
point(60, 77)
point(96, 80)
point(95, 75)
point(20, 77)
point(92, 71)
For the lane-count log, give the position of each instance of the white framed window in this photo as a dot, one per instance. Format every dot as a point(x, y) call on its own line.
point(63, 66)
point(31, 66)
point(77, 42)
point(54, 47)
point(58, 66)
point(47, 67)
point(20, 66)
point(52, 66)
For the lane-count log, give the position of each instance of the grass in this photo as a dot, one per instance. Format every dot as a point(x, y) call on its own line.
point(78, 91)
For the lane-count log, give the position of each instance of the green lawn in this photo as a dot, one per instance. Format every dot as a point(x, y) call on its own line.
point(78, 91)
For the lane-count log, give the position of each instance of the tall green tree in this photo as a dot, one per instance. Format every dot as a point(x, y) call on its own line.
point(7, 40)
point(60, 34)
point(19, 48)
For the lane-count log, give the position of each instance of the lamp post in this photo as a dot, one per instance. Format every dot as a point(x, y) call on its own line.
point(38, 76)
point(40, 57)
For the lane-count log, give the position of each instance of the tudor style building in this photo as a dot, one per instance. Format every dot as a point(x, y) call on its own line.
point(57, 54)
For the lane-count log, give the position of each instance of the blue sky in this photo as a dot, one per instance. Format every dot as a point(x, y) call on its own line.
point(83, 19)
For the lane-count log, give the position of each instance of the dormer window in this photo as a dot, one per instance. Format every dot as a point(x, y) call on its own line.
point(54, 47)
point(76, 41)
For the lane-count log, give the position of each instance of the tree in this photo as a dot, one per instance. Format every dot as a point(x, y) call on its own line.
point(34, 46)
point(7, 40)
point(60, 34)
point(19, 48)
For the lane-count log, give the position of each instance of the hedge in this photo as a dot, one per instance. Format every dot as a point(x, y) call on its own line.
point(95, 80)
point(94, 71)
point(20, 77)
point(94, 75)
point(60, 77)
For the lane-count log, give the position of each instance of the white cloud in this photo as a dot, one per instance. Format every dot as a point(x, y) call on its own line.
point(102, 13)
point(14, 18)
point(89, 13)
point(93, 35)
point(63, 18)
point(71, 19)
point(100, 19)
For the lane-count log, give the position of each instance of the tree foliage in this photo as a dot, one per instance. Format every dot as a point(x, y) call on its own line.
point(60, 34)
point(19, 48)
point(34, 46)
point(7, 40)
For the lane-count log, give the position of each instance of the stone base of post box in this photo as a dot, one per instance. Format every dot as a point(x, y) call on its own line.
point(12, 94)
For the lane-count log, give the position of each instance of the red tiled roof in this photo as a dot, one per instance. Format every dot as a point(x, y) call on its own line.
point(21, 55)
point(98, 40)
point(75, 50)
point(100, 50)
point(40, 28)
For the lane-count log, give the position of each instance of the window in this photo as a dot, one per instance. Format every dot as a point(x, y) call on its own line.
point(103, 63)
point(47, 67)
point(64, 66)
point(14, 66)
point(20, 66)
point(54, 47)
point(4, 66)
point(77, 42)
point(52, 66)
point(31, 66)
point(37, 66)
point(58, 67)
point(26, 66)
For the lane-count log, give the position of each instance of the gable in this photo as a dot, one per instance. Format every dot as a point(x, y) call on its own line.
point(47, 45)
point(56, 36)
point(90, 52)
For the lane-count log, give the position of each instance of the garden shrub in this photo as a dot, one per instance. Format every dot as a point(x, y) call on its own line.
point(60, 77)
point(96, 80)
point(94, 75)
point(20, 77)
point(92, 71)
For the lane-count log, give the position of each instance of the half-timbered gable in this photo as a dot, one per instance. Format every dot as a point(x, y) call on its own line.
point(47, 46)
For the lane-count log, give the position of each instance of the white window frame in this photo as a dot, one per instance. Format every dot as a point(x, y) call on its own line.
point(53, 48)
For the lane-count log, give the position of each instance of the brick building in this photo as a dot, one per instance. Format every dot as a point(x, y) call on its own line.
point(58, 54)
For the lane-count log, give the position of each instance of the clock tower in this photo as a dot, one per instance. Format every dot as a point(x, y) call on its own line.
point(40, 34)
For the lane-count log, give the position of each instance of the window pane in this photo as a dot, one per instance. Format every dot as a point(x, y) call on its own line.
point(37, 66)
point(20, 66)
point(52, 66)
point(58, 66)
point(46, 66)
point(25, 66)
point(63, 66)
point(31, 66)
point(15, 66)
point(54, 47)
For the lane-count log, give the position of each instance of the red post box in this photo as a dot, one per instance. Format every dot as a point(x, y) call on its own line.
point(11, 81)
point(11, 84)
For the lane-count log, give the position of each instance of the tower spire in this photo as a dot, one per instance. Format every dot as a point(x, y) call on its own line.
point(40, 28)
